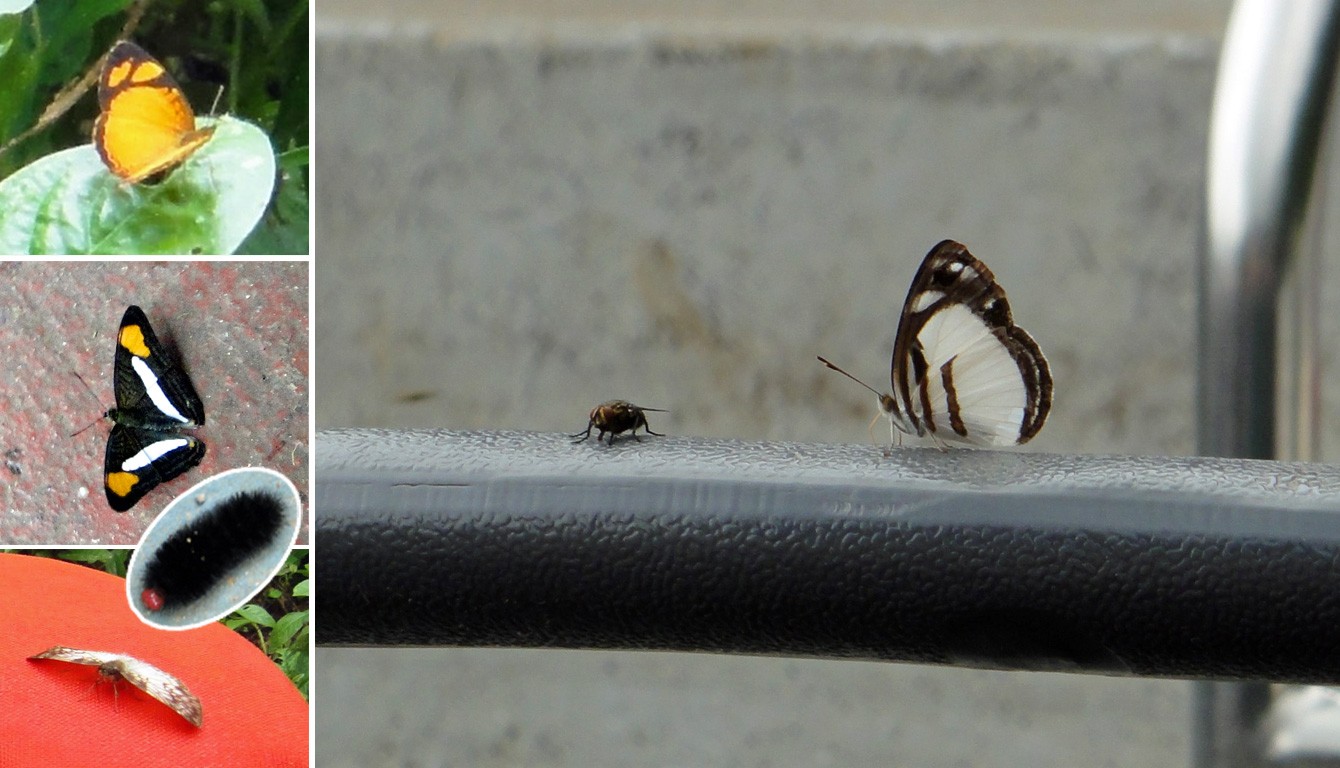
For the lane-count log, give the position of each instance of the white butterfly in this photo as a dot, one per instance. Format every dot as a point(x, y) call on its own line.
point(141, 674)
point(962, 370)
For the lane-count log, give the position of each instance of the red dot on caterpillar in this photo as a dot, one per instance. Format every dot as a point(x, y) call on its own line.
point(152, 599)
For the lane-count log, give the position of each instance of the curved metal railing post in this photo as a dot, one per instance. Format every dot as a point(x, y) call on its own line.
point(1267, 132)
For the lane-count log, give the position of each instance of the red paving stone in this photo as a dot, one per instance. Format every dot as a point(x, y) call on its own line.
point(240, 330)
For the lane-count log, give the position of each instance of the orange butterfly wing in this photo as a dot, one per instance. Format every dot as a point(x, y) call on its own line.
point(146, 125)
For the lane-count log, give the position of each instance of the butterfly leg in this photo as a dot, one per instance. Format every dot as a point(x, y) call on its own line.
point(870, 430)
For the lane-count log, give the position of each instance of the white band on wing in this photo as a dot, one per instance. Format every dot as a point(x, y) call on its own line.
point(155, 391)
point(152, 453)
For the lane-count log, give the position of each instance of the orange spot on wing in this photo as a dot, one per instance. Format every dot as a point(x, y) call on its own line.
point(121, 483)
point(132, 338)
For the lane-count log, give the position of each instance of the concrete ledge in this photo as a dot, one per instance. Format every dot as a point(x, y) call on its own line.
point(687, 222)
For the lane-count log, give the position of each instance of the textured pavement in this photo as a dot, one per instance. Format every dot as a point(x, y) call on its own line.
point(240, 329)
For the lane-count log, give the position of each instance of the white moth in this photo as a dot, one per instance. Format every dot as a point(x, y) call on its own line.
point(115, 667)
point(962, 371)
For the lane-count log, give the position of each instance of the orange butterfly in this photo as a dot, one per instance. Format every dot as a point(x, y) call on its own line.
point(146, 126)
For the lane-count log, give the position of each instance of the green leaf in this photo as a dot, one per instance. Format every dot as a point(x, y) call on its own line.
point(294, 664)
point(284, 229)
point(69, 203)
point(19, 72)
point(86, 555)
point(286, 628)
point(257, 615)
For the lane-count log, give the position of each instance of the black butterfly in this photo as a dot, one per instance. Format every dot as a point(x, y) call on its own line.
point(154, 398)
point(962, 370)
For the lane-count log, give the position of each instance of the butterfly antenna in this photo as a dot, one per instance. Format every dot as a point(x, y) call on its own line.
point(218, 96)
point(825, 361)
point(95, 396)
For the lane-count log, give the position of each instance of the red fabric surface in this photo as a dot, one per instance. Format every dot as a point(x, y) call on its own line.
point(54, 714)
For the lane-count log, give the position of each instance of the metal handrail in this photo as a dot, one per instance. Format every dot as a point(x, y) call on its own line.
point(1267, 136)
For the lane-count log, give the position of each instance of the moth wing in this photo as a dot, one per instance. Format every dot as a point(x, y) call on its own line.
point(76, 656)
point(163, 687)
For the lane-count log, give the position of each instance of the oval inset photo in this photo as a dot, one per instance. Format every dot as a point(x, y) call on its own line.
point(213, 548)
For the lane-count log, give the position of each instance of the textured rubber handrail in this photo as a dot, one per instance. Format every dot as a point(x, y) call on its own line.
point(1158, 566)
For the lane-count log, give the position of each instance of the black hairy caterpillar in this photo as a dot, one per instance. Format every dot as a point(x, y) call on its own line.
point(198, 556)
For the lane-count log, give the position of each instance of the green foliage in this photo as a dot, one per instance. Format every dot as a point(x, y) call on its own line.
point(284, 226)
point(257, 50)
point(113, 561)
point(285, 639)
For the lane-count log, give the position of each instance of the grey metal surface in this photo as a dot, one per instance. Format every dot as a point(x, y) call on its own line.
point(1275, 82)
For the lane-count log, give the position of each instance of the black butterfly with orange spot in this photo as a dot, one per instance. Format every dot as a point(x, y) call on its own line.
point(154, 399)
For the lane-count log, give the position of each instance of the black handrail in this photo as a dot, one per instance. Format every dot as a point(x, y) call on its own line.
point(1184, 567)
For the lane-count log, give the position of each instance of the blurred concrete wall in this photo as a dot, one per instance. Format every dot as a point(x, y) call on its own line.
point(522, 213)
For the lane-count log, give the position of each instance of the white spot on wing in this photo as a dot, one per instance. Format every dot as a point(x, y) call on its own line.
point(925, 299)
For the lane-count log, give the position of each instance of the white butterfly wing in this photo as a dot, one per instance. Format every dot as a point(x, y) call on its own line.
point(974, 392)
point(962, 371)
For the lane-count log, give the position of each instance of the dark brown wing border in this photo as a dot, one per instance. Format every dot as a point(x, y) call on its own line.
point(951, 270)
